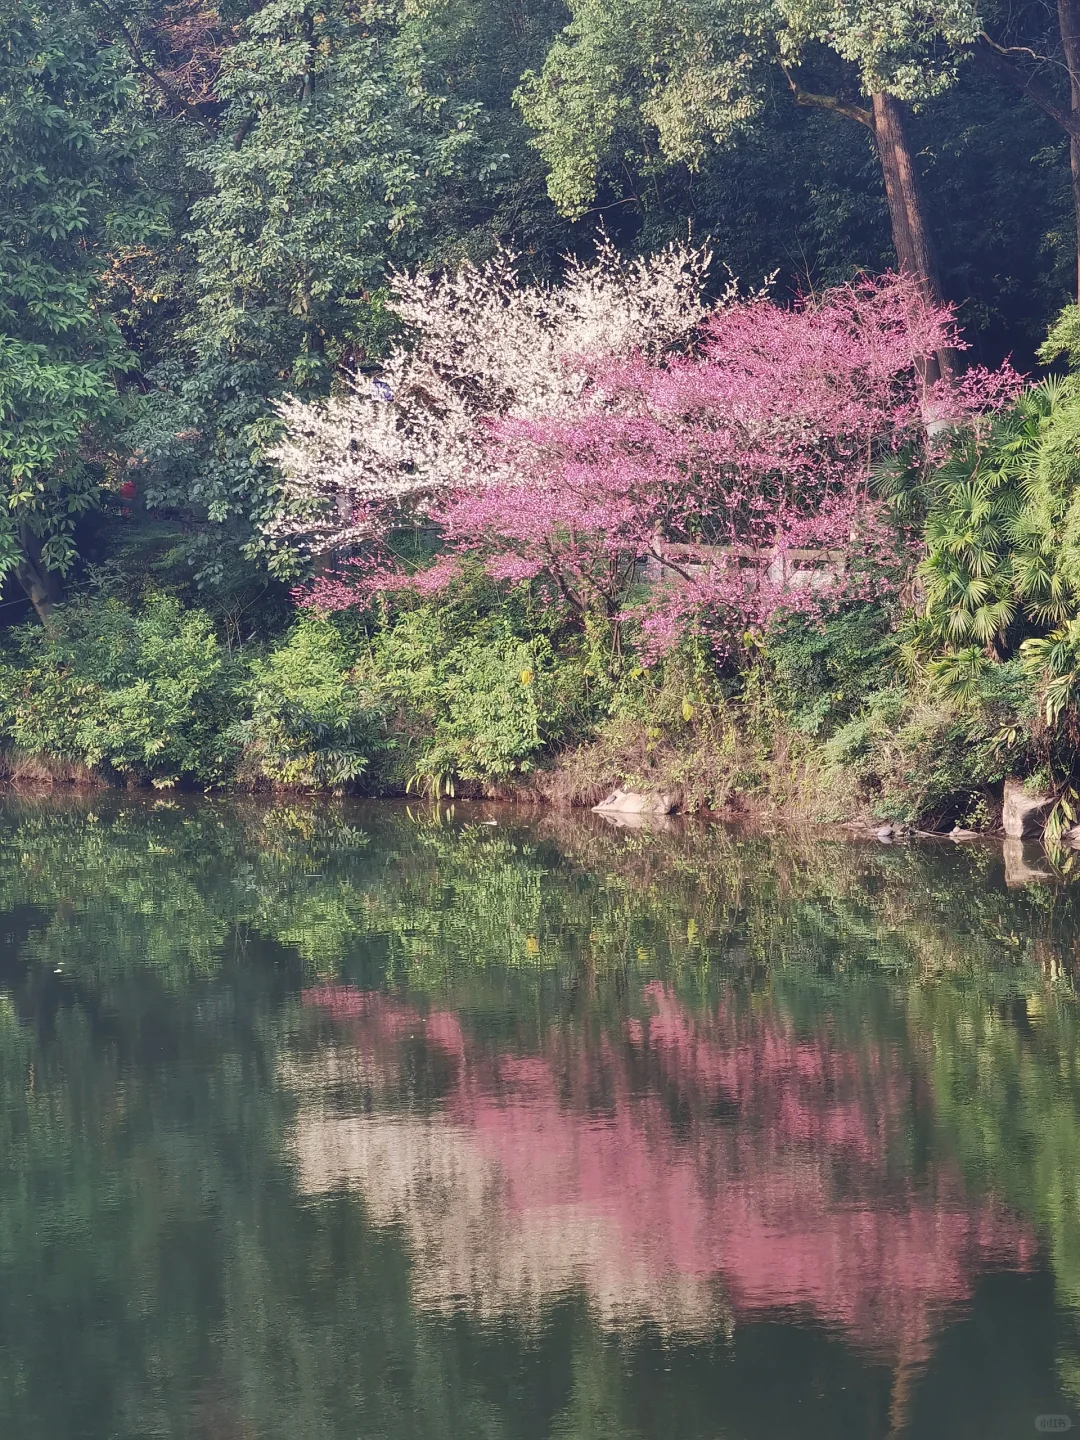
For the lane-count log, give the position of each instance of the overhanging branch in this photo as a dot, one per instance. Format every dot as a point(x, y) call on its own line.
point(827, 102)
point(177, 102)
point(997, 59)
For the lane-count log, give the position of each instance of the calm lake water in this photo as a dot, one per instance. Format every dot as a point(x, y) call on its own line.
point(340, 1122)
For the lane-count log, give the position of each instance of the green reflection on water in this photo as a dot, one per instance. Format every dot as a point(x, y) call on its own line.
point(339, 1122)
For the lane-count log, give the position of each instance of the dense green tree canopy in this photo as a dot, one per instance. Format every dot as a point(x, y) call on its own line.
point(72, 200)
point(647, 87)
point(345, 139)
point(683, 76)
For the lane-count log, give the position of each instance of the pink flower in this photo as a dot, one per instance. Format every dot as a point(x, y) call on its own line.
point(738, 474)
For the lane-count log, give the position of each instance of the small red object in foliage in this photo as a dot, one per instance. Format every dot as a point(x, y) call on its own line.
point(127, 490)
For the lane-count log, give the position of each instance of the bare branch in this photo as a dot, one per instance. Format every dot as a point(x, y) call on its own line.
point(997, 59)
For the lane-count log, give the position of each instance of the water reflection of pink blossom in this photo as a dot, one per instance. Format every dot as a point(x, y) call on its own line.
point(662, 1164)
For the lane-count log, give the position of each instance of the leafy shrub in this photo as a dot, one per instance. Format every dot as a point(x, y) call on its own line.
point(143, 694)
point(313, 721)
point(923, 758)
point(1001, 572)
point(823, 670)
point(470, 705)
point(482, 687)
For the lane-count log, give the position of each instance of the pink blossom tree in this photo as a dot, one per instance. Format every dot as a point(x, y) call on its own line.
point(739, 470)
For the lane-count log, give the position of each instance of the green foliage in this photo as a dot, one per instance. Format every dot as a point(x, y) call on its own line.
point(1001, 514)
point(348, 138)
point(920, 758)
point(822, 671)
point(1056, 657)
point(620, 73)
point(969, 571)
point(994, 646)
point(144, 695)
point(70, 196)
point(313, 723)
point(682, 78)
point(330, 137)
point(198, 217)
point(990, 570)
point(481, 695)
point(680, 727)
point(472, 690)
point(213, 207)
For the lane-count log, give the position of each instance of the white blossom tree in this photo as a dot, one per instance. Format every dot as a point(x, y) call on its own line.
point(479, 346)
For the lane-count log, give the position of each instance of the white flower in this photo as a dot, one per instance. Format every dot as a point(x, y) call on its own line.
point(481, 345)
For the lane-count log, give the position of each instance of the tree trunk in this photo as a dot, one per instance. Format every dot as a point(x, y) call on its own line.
point(1069, 21)
point(43, 586)
point(915, 251)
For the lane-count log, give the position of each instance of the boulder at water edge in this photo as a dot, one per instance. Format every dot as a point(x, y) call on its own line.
point(1024, 814)
point(629, 802)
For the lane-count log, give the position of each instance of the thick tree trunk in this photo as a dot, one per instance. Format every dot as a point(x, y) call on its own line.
point(1069, 21)
point(915, 253)
point(43, 586)
point(907, 208)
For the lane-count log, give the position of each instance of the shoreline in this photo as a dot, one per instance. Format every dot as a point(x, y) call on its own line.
point(56, 779)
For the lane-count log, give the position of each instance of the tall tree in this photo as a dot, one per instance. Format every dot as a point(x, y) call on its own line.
point(346, 138)
point(1038, 52)
point(70, 195)
point(686, 75)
